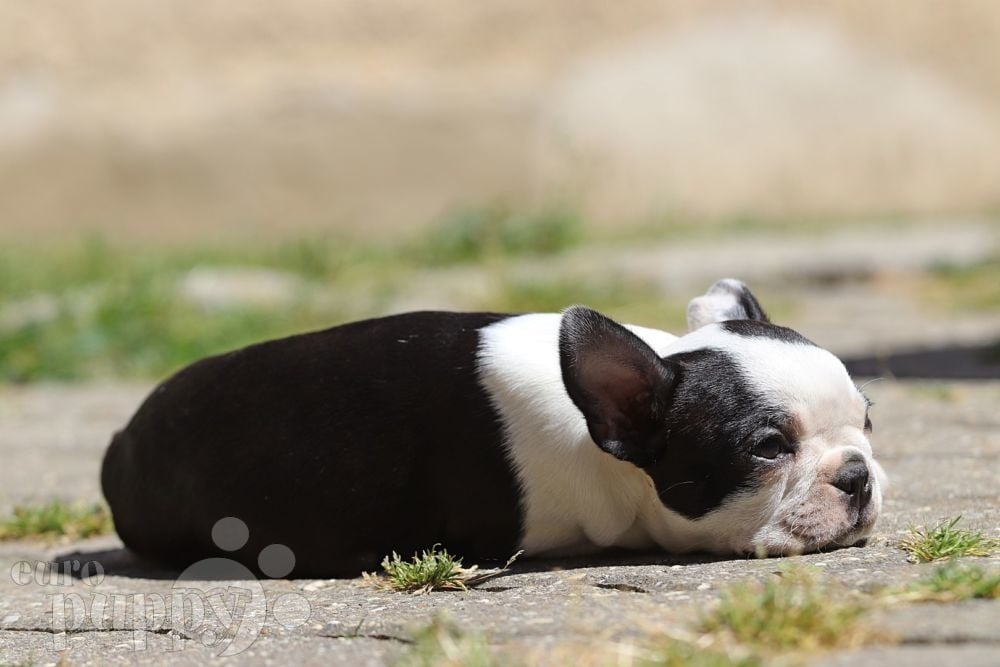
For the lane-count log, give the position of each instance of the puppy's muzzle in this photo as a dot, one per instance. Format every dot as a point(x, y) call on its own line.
point(853, 479)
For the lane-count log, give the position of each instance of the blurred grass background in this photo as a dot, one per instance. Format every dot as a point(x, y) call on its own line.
point(96, 308)
point(93, 307)
point(180, 178)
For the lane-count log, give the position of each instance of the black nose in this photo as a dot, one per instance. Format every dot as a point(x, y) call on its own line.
point(852, 479)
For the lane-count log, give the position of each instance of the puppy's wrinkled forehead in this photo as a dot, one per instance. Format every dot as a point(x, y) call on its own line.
point(805, 380)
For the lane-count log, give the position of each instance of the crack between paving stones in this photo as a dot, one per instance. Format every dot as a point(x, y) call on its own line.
point(82, 631)
point(357, 634)
point(914, 641)
point(374, 635)
point(949, 641)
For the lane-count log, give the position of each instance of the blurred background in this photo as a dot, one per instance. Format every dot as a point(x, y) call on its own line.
point(181, 177)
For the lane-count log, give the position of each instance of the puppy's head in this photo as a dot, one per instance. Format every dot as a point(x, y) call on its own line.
point(754, 439)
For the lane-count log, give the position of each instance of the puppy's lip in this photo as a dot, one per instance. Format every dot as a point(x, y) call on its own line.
point(858, 536)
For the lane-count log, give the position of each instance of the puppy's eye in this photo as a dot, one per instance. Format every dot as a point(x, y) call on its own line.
point(770, 447)
point(868, 424)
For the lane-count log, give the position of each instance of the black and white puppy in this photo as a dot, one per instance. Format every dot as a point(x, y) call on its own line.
point(488, 433)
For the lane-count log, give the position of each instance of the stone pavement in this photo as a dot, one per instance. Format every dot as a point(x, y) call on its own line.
point(939, 442)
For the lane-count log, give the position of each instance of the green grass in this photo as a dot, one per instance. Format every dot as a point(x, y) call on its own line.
point(433, 569)
point(136, 322)
point(26, 269)
point(443, 644)
point(649, 651)
point(953, 582)
point(476, 234)
point(116, 310)
point(93, 308)
point(685, 654)
point(680, 226)
point(140, 328)
point(794, 610)
point(141, 324)
point(944, 540)
point(937, 391)
point(56, 519)
point(966, 287)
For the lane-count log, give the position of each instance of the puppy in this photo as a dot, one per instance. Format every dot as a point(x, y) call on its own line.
point(489, 433)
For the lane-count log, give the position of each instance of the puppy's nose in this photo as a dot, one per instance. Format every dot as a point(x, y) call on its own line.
point(852, 479)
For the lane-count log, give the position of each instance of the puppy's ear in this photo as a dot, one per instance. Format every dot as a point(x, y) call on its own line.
point(618, 382)
point(727, 299)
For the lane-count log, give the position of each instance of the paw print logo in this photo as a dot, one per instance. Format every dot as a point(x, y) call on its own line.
point(231, 534)
point(221, 603)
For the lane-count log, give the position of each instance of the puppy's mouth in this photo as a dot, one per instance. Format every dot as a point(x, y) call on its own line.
point(793, 540)
point(797, 547)
point(855, 538)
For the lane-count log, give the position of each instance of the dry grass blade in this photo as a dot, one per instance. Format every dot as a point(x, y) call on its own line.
point(483, 576)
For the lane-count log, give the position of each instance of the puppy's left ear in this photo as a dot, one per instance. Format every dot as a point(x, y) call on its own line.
point(618, 382)
point(728, 299)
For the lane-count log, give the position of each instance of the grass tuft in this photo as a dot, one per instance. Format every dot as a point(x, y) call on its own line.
point(953, 582)
point(793, 610)
point(944, 540)
point(432, 570)
point(57, 519)
point(686, 654)
point(964, 286)
point(443, 644)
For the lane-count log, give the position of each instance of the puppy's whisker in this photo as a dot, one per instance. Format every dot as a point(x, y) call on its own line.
point(861, 390)
point(873, 380)
point(674, 486)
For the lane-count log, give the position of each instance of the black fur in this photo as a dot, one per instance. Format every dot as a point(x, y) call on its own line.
point(765, 329)
point(752, 309)
point(290, 437)
point(617, 381)
point(715, 418)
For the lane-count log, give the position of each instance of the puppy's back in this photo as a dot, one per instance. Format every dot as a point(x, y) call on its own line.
point(343, 444)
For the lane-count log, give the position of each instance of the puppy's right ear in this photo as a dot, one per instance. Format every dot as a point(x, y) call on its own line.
point(727, 299)
point(618, 382)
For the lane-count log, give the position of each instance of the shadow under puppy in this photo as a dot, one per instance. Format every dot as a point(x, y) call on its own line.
point(488, 433)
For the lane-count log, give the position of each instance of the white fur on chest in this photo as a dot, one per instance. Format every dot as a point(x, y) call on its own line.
point(574, 495)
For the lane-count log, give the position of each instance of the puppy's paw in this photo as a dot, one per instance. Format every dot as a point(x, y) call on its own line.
point(728, 299)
